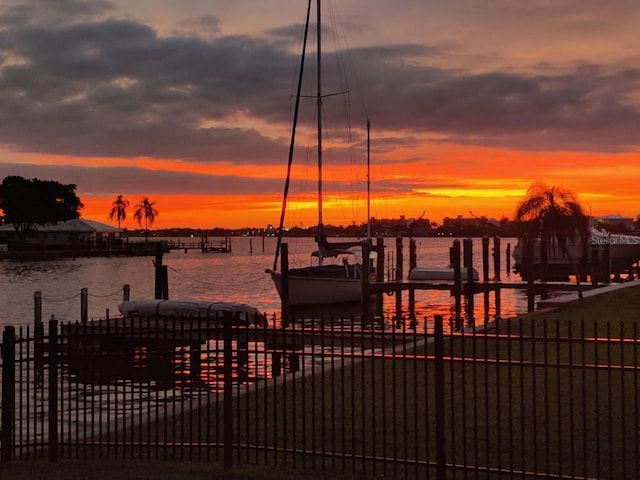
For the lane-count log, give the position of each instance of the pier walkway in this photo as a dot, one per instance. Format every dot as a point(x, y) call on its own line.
point(221, 245)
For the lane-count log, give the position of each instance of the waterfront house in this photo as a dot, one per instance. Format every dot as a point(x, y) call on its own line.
point(77, 233)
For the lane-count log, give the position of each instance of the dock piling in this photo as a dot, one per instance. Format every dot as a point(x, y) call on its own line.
point(496, 259)
point(366, 254)
point(412, 265)
point(485, 259)
point(399, 277)
point(284, 283)
point(467, 253)
point(457, 278)
point(84, 305)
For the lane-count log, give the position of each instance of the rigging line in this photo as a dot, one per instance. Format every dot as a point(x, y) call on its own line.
point(338, 33)
point(347, 51)
point(196, 280)
point(293, 136)
point(201, 282)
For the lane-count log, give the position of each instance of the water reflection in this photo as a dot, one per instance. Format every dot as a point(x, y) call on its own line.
point(235, 277)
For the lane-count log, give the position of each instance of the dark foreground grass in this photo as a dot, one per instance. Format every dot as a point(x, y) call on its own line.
point(525, 418)
point(136, 470)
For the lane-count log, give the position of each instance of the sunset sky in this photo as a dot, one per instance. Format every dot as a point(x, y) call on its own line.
point(189, 103)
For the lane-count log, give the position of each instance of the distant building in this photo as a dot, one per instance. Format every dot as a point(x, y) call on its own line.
point(615, 223)
point(72, 233)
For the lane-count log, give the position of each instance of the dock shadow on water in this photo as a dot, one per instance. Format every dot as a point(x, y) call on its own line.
point(187, 354)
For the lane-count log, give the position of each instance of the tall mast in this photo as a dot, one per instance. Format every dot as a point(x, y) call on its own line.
point(319, 113)
point(368, 179)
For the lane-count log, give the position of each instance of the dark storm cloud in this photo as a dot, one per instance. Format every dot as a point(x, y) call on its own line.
point(99, 181)
point(102, 87)
point(584, 108)
point(52, 12)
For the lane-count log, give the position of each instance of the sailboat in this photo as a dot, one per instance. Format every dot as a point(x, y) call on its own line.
point(335, 273)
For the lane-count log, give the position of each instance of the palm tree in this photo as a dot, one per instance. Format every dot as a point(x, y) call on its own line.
point(145, 210)
point(118, 209)
point(554, 215)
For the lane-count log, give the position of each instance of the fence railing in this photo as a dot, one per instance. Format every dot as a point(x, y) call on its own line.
point(534, 399)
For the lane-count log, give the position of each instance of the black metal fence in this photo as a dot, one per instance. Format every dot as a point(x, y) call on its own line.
point(521, 399)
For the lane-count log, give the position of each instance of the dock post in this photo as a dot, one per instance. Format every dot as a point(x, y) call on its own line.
point(467, 245)
point(412, 292)
point(284, 283)
point(251, 245)
point(84, 305)
point(496, 259)
point(527, 272)
point(457, 278)
point(508, 259)
point(158, 273)
point(165, 282)
point(366, 251)
point(399, 277)
point(126, 292)
point(379, 273)
point(485, 259)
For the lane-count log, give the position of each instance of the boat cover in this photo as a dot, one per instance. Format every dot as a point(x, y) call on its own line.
point(154, 307)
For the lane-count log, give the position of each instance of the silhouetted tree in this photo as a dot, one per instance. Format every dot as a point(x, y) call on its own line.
point(119, 209)
point(145, 209)
point(27, 202)
point(553, 215)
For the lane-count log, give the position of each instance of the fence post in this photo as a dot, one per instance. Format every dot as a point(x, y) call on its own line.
point(438, 343)
point(228, 391)
point(38, 331)
point(8, 392)
point(53, 390)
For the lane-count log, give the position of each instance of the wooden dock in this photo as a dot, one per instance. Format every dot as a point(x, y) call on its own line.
point(219, 245)
point(460, 256)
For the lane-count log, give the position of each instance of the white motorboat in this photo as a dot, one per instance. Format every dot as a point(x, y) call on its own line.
point(621, 251)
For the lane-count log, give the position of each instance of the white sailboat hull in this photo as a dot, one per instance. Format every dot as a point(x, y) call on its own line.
point(309, 291)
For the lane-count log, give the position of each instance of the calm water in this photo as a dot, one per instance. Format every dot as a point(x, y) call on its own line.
point(235, 277)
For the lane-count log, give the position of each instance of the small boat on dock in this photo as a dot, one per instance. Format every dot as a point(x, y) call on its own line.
point(155, 308)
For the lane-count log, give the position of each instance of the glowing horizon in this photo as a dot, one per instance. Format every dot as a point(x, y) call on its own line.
point(202, 126)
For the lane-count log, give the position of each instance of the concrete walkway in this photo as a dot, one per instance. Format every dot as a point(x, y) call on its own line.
point(566, 298)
